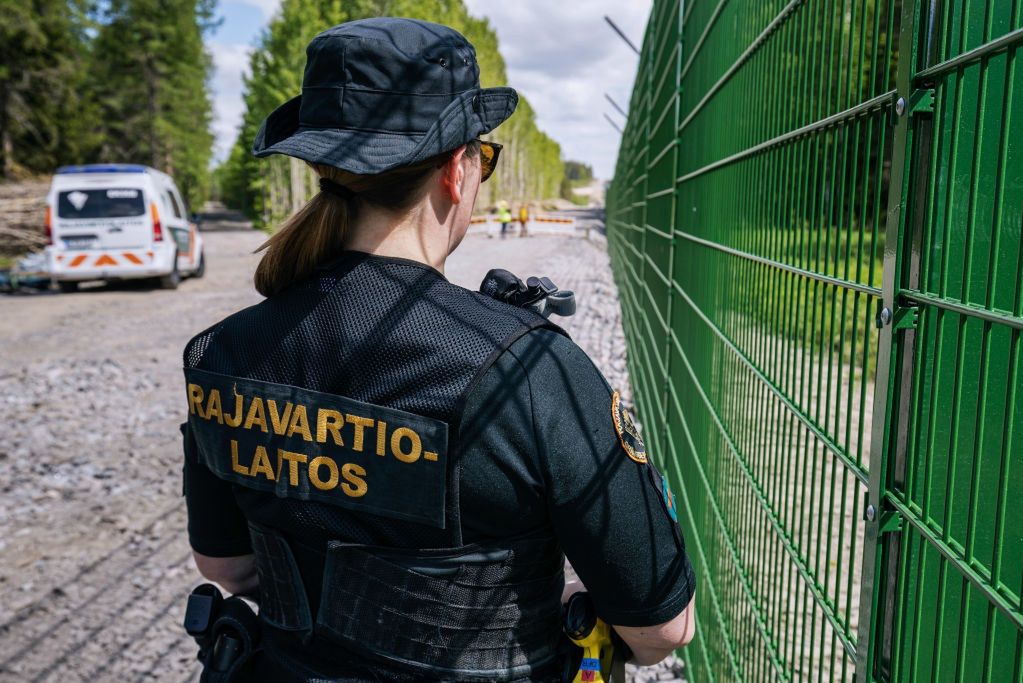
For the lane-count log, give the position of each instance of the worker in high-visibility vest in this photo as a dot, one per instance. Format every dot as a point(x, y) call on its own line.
point(504, 215)
point(523, 219)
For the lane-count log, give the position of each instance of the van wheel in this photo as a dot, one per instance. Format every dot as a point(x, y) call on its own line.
point(67, 287)
point(201, 270)
point(172, 279)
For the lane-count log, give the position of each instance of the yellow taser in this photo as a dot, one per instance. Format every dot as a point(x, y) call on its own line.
point(594, 636)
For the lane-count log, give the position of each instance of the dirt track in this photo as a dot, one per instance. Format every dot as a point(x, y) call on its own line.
point(94, 562)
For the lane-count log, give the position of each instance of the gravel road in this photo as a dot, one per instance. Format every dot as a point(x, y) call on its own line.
point(94, 562)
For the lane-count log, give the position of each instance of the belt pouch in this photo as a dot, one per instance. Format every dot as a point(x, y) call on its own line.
point(282, 598)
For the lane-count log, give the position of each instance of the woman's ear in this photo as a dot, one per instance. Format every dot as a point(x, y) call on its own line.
point(453, 174)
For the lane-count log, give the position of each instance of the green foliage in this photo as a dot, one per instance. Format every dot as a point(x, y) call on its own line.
point(149, 81)
point(270, 189)
point(121, 81)
point(577, 171)
point(576, 174)
point(44, 117)
point(843, 253)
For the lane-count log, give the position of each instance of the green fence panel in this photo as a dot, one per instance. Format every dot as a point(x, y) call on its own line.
point(815, 229)
point(950, 575)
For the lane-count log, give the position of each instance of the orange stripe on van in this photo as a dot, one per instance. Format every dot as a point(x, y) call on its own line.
point(77, 261)
point(105, 260)
point(132, 257)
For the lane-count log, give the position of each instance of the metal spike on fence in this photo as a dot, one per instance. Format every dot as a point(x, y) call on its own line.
point(615, 105)
point(620, 33)
point(611, 121)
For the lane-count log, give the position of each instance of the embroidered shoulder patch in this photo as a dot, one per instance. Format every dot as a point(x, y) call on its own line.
point(628, 434)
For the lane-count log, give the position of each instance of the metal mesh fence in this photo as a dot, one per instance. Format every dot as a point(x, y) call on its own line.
point(815, 228)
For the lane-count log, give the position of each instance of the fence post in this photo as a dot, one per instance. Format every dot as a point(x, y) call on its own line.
point(880, 553)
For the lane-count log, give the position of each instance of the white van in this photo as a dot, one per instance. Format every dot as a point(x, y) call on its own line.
point(119, 221)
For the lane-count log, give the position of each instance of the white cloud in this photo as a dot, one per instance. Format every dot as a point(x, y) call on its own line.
point(230, 62)
point(563, 57)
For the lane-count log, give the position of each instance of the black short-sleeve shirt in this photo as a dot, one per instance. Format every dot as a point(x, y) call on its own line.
point(539, 448)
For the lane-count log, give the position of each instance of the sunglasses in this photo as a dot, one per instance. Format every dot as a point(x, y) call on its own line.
point(489, 151)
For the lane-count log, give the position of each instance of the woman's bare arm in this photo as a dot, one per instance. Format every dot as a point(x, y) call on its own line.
point(236, 574)
point(651, 644)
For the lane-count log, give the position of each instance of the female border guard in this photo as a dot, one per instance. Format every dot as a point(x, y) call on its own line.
point(398, 466)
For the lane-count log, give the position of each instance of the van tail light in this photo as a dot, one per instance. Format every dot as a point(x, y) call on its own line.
point(157, 228)
point(48, 222)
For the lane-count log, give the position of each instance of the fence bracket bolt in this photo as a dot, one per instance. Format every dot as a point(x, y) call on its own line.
point(886, 316)
point(900, 106)
point(871, 513)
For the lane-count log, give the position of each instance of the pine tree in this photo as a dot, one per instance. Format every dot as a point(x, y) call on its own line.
point(44, 118)
point(148, 77)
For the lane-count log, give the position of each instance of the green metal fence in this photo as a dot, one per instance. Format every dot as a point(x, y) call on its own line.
point(815, 226)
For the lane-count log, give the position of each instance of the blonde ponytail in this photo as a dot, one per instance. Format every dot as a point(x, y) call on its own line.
point(319, 230)
point(312, 236)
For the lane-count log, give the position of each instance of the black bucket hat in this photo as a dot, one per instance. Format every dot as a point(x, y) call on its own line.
point(384, 92)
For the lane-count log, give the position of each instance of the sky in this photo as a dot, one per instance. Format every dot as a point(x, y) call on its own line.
point(563, 57)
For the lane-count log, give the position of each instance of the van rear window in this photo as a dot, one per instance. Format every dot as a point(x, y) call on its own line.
point(106, 203)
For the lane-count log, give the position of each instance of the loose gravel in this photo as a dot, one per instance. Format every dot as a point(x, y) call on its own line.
point(94, 562)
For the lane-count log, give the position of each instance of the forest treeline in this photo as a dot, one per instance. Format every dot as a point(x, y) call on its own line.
point(112, 81)
point(103, 81)
point(270, 189)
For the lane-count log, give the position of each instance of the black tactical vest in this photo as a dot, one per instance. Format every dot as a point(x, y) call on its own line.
point(334, 408)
